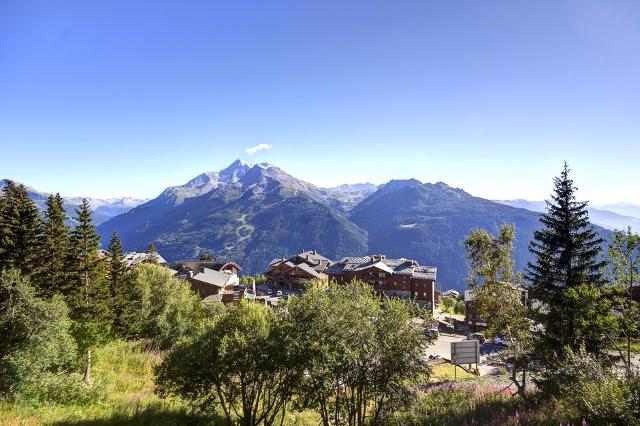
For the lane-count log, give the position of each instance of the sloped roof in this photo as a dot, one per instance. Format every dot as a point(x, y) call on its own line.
point(393, 266)
point(308, 269)
point(312, 255)
point(133, 258)
point(196, 265)
point(311, 259)
point(211, 277)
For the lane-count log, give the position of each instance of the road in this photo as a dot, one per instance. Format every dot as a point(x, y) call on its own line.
point(442, 347)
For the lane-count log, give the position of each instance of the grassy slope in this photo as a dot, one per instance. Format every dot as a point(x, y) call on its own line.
point(125, 372)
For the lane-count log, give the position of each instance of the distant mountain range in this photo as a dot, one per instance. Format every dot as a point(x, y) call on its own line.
point(103, 209)
point(252, 214)
point(607, 216)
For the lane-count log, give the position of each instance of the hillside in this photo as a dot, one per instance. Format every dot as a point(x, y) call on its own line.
point(103, 209)
point(428, 222)
point(251, 216)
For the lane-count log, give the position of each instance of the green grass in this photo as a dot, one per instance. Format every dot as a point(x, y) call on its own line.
point(124, 372)
point(448, 372)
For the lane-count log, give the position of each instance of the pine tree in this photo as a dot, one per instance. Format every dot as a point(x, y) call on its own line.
point(152, 251)
point(118, 282)
point(89, 299)
point(566, 275)
point(20, 231)
point(84, 260)
point(55, 247)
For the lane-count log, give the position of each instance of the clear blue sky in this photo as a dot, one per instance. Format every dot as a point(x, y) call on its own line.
point(109, 98)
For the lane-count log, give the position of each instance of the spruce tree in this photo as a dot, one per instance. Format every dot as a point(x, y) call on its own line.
point(20, 231)
point(55, 247)
point(118, 282)
point(152, 251)
point(89, 299)
point(84, 259)
point(566, 275)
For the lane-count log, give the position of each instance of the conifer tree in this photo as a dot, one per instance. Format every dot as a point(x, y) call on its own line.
point(152, 251)
point(55, 247)
point(89, 298)
point(20, 231)
point(566, 275)
point(118, 281)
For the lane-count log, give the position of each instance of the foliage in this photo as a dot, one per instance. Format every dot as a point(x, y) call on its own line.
point(123, 379)
point(463, 404)
point(590, 389)
point(55, 247)
point(451, 305)
point(36, 347)
point(160, 307)
point(20, 230)
point(624, 270)
point(248, 279)
point(567, 284)
point(567, 255)
point(241, 364)
point(498, 300)
point(119, 284)
point(362, 353)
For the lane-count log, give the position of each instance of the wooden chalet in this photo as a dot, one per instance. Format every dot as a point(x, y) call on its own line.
point(296, 271)
point(402, 278)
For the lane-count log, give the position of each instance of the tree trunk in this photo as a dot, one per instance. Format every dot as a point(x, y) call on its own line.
point(87, 372)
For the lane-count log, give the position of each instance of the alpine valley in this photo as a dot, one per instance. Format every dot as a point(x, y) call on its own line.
point(252, 214)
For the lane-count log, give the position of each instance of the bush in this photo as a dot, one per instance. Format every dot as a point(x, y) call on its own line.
point(161, 307)
point(589, 389)
point(240, 362)
point(38, 351)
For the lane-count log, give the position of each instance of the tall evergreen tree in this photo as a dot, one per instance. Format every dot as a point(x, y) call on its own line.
point(89, 299)
point(84, 259)
point(20, 231)
point(118, 281)
point(55, 247)
point(566, 275)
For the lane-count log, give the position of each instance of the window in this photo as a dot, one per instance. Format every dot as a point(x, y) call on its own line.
point(381, 274)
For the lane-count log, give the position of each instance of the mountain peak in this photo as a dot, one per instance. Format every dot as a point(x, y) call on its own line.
point(235, 171)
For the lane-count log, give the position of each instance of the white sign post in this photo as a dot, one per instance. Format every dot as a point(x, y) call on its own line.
point(465, 352)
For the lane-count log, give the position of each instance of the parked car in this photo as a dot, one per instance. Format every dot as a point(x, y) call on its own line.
point(433, 332)
point(279, 293)
point(476, 336)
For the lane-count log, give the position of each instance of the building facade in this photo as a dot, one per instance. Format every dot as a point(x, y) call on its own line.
point(402, 278)
point(296, 271)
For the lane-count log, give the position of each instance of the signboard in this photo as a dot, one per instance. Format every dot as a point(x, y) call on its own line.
point(465, 352)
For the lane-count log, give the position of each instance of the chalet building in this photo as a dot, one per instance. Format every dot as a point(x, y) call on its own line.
point(471, 318)
point(298, 270)
point(188, 268)
point(210, 277)
point(208, 282)
point(133, 258)
point(402, 278)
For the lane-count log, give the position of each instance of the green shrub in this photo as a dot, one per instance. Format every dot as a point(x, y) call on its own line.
point(587, 388)
point(161, 308)
point(38, 351)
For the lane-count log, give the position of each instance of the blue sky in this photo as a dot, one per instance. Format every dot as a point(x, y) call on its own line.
point(110, 98)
